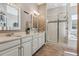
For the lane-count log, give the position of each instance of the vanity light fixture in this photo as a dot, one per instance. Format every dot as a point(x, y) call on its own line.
point(35, 13)
point(26, 12)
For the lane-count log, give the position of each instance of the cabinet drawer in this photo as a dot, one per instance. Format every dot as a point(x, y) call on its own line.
point(35, 45)
point(35, 36)
point(10, 52)
point(27, 51)
point(7, 45)
point(41, 41)
point(25, 39)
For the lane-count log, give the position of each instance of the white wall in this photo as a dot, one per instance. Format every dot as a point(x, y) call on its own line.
point(54, 12)
point(28, 7)
point(42, 10)
point(42, 17)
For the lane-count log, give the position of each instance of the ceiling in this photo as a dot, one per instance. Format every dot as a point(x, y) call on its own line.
point(54, 5)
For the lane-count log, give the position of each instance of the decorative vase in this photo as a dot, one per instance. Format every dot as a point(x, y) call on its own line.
point(27, 30)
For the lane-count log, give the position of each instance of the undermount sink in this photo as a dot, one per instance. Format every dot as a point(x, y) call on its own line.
point(18, 36)
point(9, 34)
point(12, 35)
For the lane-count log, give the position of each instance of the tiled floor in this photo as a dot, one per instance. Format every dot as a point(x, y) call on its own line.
point(53, 50)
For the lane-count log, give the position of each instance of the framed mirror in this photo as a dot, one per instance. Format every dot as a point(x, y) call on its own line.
point(35, 23)
point(9, 17)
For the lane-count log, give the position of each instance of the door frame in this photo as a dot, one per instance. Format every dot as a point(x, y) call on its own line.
point(78, 29)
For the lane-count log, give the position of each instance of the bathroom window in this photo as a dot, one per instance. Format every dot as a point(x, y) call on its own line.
point(74, 20)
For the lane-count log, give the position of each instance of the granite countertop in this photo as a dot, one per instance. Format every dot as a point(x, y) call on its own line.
point(7, 39)
point(15, 36)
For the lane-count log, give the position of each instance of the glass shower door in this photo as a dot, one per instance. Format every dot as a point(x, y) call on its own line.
point(57, 23)
point(52, 32)
point(63, 32)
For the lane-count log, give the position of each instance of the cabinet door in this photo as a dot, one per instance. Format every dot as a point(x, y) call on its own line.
point(41, 40)
point(35, 45)
point(27, 48)
point(10, 52)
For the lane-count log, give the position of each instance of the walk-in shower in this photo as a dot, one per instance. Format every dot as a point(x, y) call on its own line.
point(57, 23)
point(62, 24)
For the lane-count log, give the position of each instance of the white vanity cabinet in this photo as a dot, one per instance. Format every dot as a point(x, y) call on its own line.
point(27, 50)
point(10, 48)
point(27, 46)
point(11, 52)
point(38, 41)
point(23, 46)
point(41, 39)
point(35, 44)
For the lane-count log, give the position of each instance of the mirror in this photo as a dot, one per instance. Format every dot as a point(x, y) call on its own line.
point(35, 23)
point(9, 17)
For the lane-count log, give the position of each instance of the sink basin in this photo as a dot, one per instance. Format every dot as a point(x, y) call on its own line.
point(17, 35)
point(12, 35)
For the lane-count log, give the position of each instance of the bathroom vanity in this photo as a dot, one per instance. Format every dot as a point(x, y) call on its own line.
point(21, 44)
